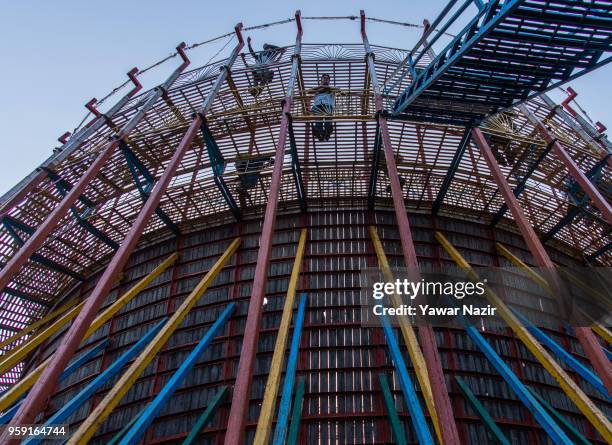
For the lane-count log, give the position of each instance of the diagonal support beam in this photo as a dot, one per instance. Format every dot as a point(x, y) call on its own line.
point(553, 430)
point(96, 417)
point(59, 212)
point(206, 416)
point(244, 375)
point(452, 169)
point(573, 169)
point(266, 416)
point(44, 386)
point(565, 382)
point(284, 409)
point(137, 169)
point(152, 410)
point(565, 356)
point(569, 429)
point(417, 416)
point(396, 425)
point(19, 388)
point(218, 163)
point(296, 412)
point(585, 336)
point(444, 419)
point(482, 412)
point(295, 167)
point(521, 185)
point(376, 154)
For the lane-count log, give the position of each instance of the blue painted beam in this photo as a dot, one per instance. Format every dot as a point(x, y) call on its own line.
point(73, 366)
point(77, 401)
point(416, 412)
point(280, 432)
point(12, 225)
point(576, 365)
point(218, 163)
point(601, 251)
point(295, 166)
point(135, 433)
point(63, 187)
point(227, 196)
point(553, 430)
point(137, 169)
point(521, 185)
point(375, 164)
point(594, 174)
point(464, 41)
point(452, 169)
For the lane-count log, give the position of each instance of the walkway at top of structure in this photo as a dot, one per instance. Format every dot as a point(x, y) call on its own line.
point(509, 51)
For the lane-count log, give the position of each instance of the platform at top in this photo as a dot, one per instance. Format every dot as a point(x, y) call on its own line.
point(511, 50)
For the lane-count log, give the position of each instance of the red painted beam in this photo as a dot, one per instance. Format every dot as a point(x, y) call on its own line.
point(242, 387)
point(585, 336)
point(45, 384)
point(35, 241)
point(427, 337)
point(585, 183)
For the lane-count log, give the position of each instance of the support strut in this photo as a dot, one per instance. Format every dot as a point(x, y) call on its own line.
point(242, 388)
point(443, 408)
point(585, 336)
point(44, 386)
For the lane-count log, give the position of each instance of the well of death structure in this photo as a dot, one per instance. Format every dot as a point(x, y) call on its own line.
point(186, 266)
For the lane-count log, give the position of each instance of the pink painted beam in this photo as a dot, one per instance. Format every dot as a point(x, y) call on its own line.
point(585, 183)
point(18, 193)
point(242, 387)
point(587, 339)
point(427, 337)
point(45, 384)
point(37, 239)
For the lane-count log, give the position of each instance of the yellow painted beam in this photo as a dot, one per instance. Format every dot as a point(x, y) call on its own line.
point(566, 383)
point(46, 319)
point(90, 425)
point(602, 331)
point(264, 425)
point(598, 328)
point(14, 392)
point(414, 350)
point(17, 354)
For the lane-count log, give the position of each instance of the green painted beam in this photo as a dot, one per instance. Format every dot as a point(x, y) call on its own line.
point(205, 417)
point(117, 437)
point(562, 421)
point(296, 414)
point(396, 426)
point(481, 411)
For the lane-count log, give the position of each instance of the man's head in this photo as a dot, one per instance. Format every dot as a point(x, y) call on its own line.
point(325, 79)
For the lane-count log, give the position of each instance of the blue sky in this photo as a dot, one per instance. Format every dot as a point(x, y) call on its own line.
point(58, 55)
